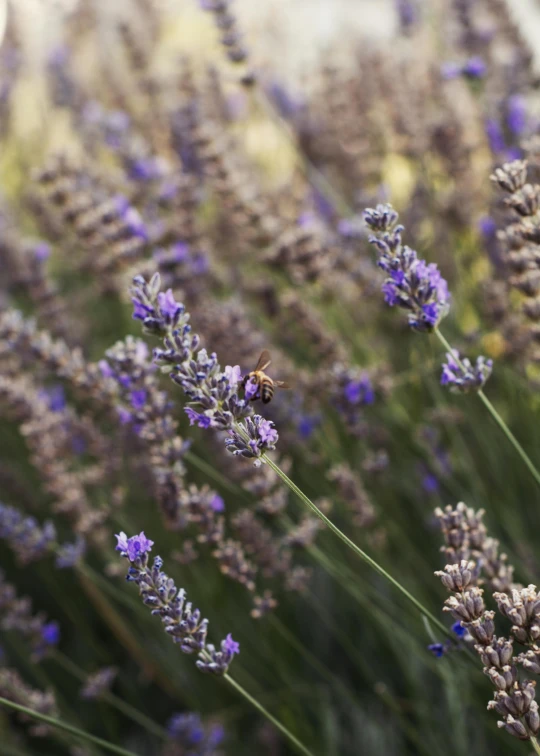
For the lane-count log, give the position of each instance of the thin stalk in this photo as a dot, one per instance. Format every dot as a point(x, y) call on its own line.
point(357, 550)
point(498, 419)
point(260, 708)
point(81, 734)
point(118, 703)
point(535, 745)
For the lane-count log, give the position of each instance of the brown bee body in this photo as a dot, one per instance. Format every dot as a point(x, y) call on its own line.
point(265, 384)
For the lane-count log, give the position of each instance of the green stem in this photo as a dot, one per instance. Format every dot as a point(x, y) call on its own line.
point(260, 708)
point(81, 734)
point(118, 703)
point(357, 550)
point(495, 415)
point(535, 745)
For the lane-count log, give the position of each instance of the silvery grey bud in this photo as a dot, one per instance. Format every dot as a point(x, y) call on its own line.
point(483, 629)
point(457, 577)
point(497, 654)
point(525, 201)
point(530, 660)
point(514, 727)
point(532, 718)
point(511, 176)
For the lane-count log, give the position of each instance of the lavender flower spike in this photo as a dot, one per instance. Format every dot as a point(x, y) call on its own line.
point(411, 283)
point(212, 392)
point(461, 375)
point(252, 438)
point(184, 624)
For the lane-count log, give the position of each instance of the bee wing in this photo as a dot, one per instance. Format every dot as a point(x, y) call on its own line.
point(264, 360)
point(282, 384)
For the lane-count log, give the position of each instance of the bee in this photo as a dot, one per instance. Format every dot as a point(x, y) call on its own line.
point(265, 385)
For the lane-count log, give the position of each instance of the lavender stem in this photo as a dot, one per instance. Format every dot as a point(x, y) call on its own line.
point(358, 551)
point(81, 734)
point(495, 415)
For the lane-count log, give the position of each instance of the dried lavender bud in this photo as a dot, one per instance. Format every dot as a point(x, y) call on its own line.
point(511, 177)
point(530, 660)
point(522, 608)
point(467, 606)
point(252, 438)
point(483, 629)
point(98, 683)
point(462, 376)
point(411, 284)
point(466, 538)
point(184, 624)
point(498, 653)
point(513, 704)
point(525, 201)
point(458, 577)
point(263, 605)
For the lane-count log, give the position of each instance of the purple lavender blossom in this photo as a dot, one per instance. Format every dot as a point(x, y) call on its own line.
point(487, 227)
point(211, 391)
point(360, 391)
point(55, 397)
point(138, 399)
point(474, 68)
point(26, 537)
point(181, 621)
point(133, 547)
point(70, 554)
point(458, 629)
point(41, 251)
point(408, 15)
point(17, 615)
point(193, 736)
point(460, 375)
point(495, 136)
point(252, 438)
point(439, 649)
point(430, 484)
point(411, 283)
point(217, 504)
point(516, 114)
point(450, 70)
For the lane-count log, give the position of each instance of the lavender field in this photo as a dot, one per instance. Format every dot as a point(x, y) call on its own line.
point(269, 378)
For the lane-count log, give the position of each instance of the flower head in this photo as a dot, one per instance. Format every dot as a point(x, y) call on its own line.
point(135, 547)
point(231, 646)
point(461, 375)
point(252, 438)
point(411, 283)
point(182, 622)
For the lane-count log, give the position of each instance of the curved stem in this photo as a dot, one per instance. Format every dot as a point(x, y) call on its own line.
point(357, 550)
point(260, 708)
point(81, 734)
point(498, 419)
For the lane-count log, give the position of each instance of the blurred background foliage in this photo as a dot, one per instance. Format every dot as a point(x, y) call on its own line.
point(334, 108)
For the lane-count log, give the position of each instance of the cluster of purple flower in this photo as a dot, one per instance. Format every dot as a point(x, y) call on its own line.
point(212, 392)
point(461, 375)
point(184, 624)
point(16, 614)
point(193, 736)
point(411, 283)
point(473, 68)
